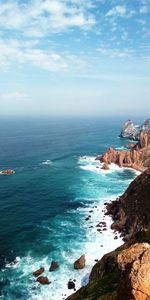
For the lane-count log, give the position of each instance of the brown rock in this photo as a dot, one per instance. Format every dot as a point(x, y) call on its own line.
point(80, 263)
point(43, 280)
point(38, 272)
point(54, 265)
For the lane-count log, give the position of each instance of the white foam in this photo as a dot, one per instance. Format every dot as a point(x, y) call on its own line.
point(87, 159)
point(14, 263)
point(47, 162)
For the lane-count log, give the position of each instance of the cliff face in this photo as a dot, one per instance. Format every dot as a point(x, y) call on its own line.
point(124, 274)
point(138, 157)
point(131, 212)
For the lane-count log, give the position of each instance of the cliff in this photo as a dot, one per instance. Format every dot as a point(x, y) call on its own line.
point(124, 274)
point(131, 212)
point(129, 131)
point(137, 157)
point(132, 132)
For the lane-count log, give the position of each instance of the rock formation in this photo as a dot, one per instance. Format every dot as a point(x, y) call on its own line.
point(138, 157)
point(124, 274)
point(43, 280)
point(132, 132)
point(80, 263)
point(54, 265)
point(129, 131)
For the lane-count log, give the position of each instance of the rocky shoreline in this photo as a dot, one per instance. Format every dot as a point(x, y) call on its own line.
point(124, 273)
point(137, 156)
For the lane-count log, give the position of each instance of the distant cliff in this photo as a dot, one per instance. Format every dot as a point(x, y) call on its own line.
point(124, 274)
point(130, 131)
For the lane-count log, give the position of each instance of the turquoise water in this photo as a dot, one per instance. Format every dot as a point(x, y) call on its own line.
point(43, 206)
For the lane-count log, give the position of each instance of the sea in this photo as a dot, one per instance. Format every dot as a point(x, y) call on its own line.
point(50, 206)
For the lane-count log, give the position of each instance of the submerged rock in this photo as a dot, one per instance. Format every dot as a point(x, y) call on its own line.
point(80, 263)
point(38, 272)
point(105, 166)
point(54, 265)
point(43, 280)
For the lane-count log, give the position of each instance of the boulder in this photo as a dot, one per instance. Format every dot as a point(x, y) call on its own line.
point(71, 285)
point(54, 265)
point(43, 280)
point(38, 272)
point(80, 263)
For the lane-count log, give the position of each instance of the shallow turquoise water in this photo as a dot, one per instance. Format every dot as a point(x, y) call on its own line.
point(43, 206)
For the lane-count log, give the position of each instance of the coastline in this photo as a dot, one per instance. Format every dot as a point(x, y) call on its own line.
point(124, 272)
point(113, 238)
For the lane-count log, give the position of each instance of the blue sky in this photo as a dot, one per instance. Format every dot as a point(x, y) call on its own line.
point(75, 57)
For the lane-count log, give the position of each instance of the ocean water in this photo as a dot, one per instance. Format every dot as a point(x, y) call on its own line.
point(43, 206)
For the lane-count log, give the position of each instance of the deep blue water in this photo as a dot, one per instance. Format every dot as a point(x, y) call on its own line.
point(43, 205)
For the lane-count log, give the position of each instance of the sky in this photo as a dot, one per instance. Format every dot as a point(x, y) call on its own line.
point(74, 57)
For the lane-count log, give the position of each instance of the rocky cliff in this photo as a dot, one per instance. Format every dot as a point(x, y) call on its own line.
point(124, 274)
point(129, 131)
point(132, 132)
point(137, 157)
point(131, 212)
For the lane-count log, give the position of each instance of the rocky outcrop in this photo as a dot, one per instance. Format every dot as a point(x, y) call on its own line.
point(43, 280)
point(105, 166)
point(129, 131)
point(38, 272)
point(131, 212)
point(138, 157)
point(54, 265)
point(132, 132)
point(80, 263)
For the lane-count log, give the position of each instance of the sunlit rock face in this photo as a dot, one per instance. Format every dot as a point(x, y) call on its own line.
point(129, 130)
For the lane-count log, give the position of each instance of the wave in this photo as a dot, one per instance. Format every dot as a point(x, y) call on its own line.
point(14, 263)
point(47, 162)
point(94, 245)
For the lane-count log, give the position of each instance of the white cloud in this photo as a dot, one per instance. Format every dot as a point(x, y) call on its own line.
point(116, 11)
point(116, 52)
point(42, 17)
point(14, 51)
